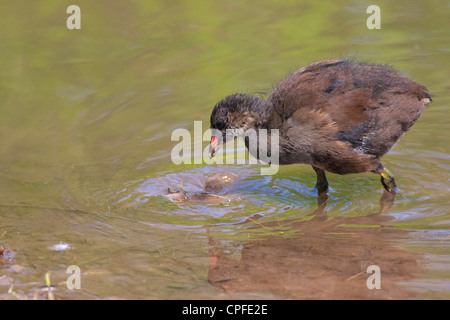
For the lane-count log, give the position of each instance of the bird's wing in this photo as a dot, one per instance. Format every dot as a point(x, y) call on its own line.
point(320, 87)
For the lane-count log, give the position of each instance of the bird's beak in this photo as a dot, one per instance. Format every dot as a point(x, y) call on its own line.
point(214, 146)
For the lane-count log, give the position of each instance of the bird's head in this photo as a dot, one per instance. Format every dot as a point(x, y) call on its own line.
point(232, 116)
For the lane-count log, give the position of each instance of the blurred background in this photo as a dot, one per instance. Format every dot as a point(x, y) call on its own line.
point(86, 118)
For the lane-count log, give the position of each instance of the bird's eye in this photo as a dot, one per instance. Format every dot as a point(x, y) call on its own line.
point(220, 125)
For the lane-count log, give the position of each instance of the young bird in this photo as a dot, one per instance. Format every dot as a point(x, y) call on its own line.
point(336, 115)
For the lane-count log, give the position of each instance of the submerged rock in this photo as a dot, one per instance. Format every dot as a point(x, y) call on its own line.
point(212, 184)
point(197, 197)
point(218, 182)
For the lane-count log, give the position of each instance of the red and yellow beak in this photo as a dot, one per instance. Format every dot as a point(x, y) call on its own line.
point(214, 146)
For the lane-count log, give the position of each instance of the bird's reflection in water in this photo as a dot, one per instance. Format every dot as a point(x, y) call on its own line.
point(327, 260)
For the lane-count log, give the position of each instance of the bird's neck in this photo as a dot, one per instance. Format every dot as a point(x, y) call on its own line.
point(256, 113)
point(259, 114)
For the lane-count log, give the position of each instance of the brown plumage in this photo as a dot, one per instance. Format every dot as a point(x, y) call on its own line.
point(337, 115)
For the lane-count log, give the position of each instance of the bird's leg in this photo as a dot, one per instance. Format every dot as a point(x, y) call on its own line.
point(388, 180)
point(322, 182)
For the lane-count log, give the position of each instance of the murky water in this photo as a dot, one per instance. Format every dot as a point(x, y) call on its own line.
point(86, 118)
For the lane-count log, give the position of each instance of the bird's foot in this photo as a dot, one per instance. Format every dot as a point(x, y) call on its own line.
point(388, 181)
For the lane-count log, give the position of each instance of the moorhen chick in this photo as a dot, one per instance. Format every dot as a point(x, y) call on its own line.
point(337, 115)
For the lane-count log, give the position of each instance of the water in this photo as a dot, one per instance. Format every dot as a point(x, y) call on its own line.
point(86, 118)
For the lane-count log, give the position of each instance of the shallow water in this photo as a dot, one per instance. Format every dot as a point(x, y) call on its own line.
point(86, 118)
